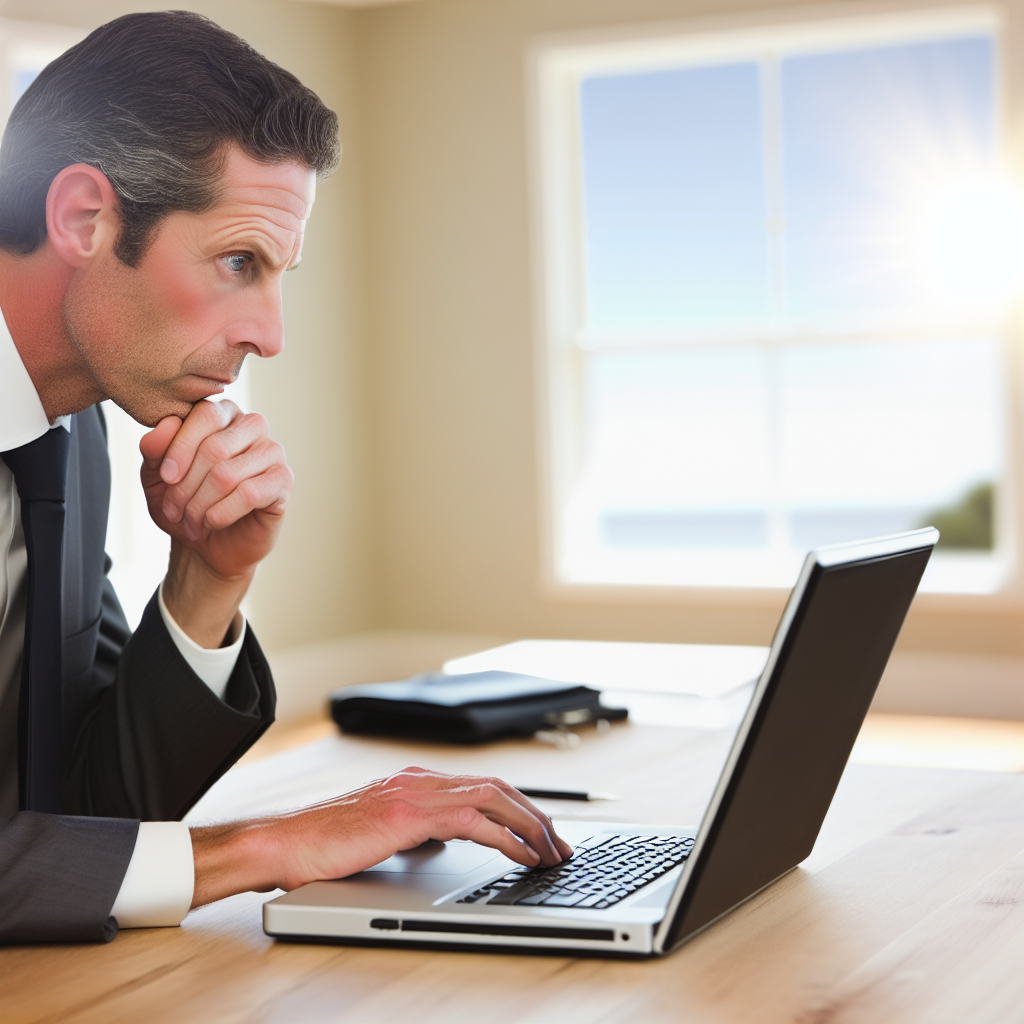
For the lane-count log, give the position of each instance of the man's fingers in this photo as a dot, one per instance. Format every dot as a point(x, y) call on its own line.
point(497, 798)
point(533, 826)
point(206, 418)
point(563, 848)
point(487, 797)
point(214, 450)
point(468, 823)
point(154, 444)
point(270, 491)
point(223, 477)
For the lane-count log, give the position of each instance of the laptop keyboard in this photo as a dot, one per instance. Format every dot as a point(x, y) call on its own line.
point(602, 871)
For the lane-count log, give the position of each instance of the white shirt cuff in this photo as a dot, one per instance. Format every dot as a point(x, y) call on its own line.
point(157, 887)
point(213, 665)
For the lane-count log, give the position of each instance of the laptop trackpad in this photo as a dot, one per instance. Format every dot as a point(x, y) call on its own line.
point(433, 858)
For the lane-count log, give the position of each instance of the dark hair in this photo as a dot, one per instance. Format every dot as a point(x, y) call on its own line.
point(152, 100)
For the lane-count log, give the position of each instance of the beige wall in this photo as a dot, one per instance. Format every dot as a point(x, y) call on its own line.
point(442, 101)
point(315, 584)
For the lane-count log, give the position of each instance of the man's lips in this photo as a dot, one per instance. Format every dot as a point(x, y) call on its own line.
point(196, 386)
point(213, 379)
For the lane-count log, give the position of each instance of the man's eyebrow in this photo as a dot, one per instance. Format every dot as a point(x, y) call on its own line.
point(259, 253)
point(262, 256)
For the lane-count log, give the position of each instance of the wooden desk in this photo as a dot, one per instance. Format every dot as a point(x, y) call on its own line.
point(911, 908)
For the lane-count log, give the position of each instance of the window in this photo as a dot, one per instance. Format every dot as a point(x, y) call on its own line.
point(779, 271)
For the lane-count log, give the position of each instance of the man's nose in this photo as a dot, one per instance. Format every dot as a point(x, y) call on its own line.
point(267, 333)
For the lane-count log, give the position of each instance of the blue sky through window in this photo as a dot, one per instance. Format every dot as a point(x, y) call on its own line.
point(869, 138)
point(22, 80)
point(673, 185)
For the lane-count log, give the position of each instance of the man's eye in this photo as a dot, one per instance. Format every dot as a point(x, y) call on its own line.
point(236, 262)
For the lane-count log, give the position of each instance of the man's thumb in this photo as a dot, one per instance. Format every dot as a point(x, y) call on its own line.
point(158, 440)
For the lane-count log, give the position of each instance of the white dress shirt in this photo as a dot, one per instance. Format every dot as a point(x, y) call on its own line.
point(157, 888)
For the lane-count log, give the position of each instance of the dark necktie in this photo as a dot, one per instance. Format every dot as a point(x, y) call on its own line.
point(40, 471)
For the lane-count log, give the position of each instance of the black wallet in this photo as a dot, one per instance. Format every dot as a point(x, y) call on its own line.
point(469, 708)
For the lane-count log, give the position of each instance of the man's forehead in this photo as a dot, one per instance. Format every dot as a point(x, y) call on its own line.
point(260, 206)
point(282, 191)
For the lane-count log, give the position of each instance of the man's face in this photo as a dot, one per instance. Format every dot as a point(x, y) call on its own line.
point(174, 330)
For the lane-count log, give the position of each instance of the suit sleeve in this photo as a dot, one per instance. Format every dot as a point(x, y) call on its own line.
point(59, 876)
point(156, 737)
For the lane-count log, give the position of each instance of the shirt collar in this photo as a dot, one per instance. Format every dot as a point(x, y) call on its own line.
point(22, 418)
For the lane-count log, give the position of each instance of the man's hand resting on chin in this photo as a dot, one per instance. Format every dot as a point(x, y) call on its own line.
point(342, 836)
point(218, 485)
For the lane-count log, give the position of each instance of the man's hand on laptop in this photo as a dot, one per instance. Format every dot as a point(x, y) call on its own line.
point(339, 837)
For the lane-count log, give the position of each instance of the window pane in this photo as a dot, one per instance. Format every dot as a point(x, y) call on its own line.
point(908, 425)
point(877, 144)
point(673, 185)
point(675, 434)
point(776, 451)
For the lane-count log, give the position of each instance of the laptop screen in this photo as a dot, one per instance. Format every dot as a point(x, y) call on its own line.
point(828, 656)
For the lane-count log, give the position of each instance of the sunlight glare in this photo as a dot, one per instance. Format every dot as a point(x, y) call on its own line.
point(974, 246)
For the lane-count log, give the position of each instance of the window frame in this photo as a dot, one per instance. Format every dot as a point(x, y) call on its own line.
point(555, 65)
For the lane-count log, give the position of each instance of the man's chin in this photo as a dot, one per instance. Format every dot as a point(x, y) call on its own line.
point(150, 413)
point(149, 407)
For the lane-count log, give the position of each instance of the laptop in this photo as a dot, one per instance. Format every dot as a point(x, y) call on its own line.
point(642, 891)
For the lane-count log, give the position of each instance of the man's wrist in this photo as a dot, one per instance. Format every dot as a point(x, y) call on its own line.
point(233, 858)
point(204, 604)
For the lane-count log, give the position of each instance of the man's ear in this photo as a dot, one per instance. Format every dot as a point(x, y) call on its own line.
point(82, 217)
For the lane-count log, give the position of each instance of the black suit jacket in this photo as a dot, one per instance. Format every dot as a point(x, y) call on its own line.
point(144, 737)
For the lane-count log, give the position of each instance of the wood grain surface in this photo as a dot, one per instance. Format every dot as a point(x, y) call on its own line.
point(910, 908)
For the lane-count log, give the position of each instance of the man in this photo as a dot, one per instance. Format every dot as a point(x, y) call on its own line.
point(155, 182)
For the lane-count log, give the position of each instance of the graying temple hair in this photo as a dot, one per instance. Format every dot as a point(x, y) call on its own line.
point(152, 100)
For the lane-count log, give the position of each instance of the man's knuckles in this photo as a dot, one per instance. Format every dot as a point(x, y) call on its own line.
point(227, 471)
point(225, 476)
point(501, 786)
point(273, 452)
point(287, 478)
point(465, 817)
point(250, 494)
point(269, 490)
point(216, 448)
point(216, 414)
point(255, 424)
point(204, 419)
point(252, 491)
point(246, 430)
point(402, 817)
point(264, 455)
point(231, 462)
point(210, 420)
point(414, 778)
point(485, 793)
